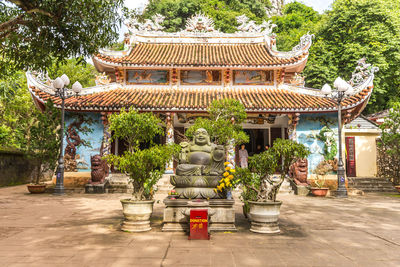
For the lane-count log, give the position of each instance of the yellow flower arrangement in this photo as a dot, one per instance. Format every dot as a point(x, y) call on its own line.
point(228, 179)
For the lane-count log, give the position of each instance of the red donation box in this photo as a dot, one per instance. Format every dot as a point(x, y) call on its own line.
point(198, 224)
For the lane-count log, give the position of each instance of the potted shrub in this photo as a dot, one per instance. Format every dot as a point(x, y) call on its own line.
point(44, 145)
point(261, 205)
point(319, 190)
point(144, 162)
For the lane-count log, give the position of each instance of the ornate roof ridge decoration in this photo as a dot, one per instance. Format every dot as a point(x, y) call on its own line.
point(265, 27)
point(200, 23)
point(42, 81)
point(300, 48)
point(362, 72)
point(199, 29)
point(153, 24)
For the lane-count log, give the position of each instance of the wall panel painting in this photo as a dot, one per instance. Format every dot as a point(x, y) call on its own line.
point(200, 77)
point(147, 77)
point(253, 77)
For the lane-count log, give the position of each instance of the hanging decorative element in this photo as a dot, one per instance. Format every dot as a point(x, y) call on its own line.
point(200, 23)
point(227, 77)
point(174, 76)
point(250, 26)
point(153, 24)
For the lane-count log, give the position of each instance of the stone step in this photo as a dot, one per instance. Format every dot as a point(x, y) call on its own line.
point(371, 184)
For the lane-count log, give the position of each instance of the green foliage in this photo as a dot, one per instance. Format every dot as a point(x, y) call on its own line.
point(17, 112)
point(256, 182)
point(390, 145)
point(223, 12)
point(76, 70)
point(34, 33)
point(118, 46)
point(44, 142)
point(289, 151)
point(219, 123)
point(144, 166)
point(297, 20)
point(134, 128)
point(264, 163)
point(354, 29)
point(261, 166)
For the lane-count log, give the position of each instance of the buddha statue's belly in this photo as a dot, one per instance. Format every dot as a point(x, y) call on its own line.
point(199, 158)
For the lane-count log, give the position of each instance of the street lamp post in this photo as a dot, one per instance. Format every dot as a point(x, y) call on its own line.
point(64, 93)
point(342, 89)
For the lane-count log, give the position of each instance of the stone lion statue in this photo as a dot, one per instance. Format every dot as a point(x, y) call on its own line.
point(99, 169)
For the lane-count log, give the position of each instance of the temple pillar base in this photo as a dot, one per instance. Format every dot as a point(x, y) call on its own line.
point(222, 220)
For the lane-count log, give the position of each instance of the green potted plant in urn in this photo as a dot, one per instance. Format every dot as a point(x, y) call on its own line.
point(261, 186)
point(143, 161)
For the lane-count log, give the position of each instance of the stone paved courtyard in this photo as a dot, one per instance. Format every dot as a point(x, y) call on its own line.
point(83, 230)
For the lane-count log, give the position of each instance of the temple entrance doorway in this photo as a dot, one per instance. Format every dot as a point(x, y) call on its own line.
point(260, 138)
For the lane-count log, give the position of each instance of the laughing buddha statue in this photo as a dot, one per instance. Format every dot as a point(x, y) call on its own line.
point(200, 157)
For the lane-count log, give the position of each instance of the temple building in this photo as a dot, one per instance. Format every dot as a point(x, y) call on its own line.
point(177, 75)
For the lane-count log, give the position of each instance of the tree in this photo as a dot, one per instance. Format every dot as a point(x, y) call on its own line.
point(16, 105)
point(17, 112)
point(389, 160)
point(354, 29)
point(297, 20)
point(144, 166)
point(76, 71)
point(34, 33)
point(44, 141)
point(223, 12)
point(224, 123)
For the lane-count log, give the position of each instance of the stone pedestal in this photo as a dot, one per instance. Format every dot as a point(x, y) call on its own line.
point(96, 188)
point(286, 188)
point(118, 183)
point(223, 218)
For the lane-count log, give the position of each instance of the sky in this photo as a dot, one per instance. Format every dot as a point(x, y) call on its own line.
point(318, 5)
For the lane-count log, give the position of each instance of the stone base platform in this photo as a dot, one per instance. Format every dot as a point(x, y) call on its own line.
point(96, 188)
point(222, 220)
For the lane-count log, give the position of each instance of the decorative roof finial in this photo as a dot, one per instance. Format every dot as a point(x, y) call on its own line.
point(250, 26)
point(200, 23)
point(362, 71)
point(149, 25)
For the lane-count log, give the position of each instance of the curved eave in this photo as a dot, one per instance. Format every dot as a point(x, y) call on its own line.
point(233, 56)
point(298, 65)
point(255, 100)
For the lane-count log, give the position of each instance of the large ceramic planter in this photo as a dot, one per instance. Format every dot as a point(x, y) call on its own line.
point(319, 192)
point(36, 188)
point(137, 215)
point(264, 217)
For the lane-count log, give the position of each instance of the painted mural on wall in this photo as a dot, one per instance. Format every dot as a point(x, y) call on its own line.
point(148, 76)
point(253, 76)
point(200, 76)
point(83, 139)
point(319, 132)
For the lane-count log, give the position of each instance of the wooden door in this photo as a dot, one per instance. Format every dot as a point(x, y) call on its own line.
point(350, 157)
point(275, 134)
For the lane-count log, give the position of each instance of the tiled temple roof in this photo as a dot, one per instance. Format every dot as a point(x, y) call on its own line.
point(201, 55)
point(198, 99)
